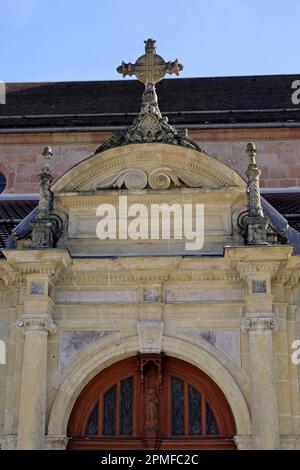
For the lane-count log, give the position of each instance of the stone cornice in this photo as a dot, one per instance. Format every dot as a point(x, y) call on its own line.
point(43, 262)
point(247, 269)
point(82, 200)
point(259, 254)
point(144, 276)
point(289, 277)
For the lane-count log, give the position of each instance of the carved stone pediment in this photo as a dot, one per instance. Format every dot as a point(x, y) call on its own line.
point(154, 166)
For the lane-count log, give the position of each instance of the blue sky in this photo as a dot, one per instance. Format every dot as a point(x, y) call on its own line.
point(56, 40)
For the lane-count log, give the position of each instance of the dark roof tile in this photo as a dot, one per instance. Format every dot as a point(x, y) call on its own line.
point(218, 100)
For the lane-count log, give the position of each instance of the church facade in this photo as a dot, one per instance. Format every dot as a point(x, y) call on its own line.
point(121, 335)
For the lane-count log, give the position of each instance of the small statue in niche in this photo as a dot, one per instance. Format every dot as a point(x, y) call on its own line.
point(151, 408)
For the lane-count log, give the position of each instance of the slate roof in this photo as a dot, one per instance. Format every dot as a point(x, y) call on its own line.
point(187, 101)
point(14, 211)
point(288, 204)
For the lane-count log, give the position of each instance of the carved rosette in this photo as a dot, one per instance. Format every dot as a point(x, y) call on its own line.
point(260, 323)
point(36, 324)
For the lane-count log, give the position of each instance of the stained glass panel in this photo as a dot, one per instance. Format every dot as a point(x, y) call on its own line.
point(92, 427)
point(211, 423)
point(109, 412)
point(195, 426)
point(177, 407)
point(126, 406)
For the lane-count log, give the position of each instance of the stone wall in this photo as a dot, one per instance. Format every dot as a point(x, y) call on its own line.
point(278, 153)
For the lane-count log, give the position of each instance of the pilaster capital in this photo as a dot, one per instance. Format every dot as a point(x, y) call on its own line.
point(260, 323)
point(36, 324)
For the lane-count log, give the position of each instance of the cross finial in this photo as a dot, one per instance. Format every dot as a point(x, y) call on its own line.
point(150, 68)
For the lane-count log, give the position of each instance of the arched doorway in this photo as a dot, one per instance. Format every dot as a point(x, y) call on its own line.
point(151, 402)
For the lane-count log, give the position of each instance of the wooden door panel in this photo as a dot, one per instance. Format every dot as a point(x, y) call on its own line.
point(159, 402)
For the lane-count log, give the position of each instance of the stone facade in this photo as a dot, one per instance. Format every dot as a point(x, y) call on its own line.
point(69, 312)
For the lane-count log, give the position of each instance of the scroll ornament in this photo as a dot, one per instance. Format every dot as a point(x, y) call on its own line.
point(160, 178)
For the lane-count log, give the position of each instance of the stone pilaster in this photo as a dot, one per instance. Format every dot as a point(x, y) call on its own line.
point(31, 428)
point(264, 410)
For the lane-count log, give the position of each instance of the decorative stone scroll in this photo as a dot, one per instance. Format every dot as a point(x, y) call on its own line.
point(135, 179)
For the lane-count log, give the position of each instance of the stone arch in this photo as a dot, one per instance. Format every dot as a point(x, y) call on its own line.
point(89, 365)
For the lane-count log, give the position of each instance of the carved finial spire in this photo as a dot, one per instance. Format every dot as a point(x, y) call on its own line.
point(255, 223)
point(42, 230)
point(150, 46)
point(47, 152)
point(251, 150)
point(150, 126)
point(253, 173)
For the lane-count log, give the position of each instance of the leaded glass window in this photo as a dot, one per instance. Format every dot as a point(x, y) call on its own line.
point(177, 407)
point(211, 423)
point(195, 425)
point(92, 427)
point(126, 406)
point(109, 412)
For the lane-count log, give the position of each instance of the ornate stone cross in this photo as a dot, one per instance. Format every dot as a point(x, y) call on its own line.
point(150, 67)
point(150, 125)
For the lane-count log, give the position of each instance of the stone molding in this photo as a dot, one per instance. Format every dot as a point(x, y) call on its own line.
point(260, 323)
point(56, 442)
point(150, 335)
point(80, 200)
point(8, 442)
point(244, 442)
point(133, 275)
point(254, 268)
point(36, 324)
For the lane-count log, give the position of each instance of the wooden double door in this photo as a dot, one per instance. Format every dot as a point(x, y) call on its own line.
point(151, 402)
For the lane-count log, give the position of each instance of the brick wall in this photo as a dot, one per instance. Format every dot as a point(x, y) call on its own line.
point(278, 153)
